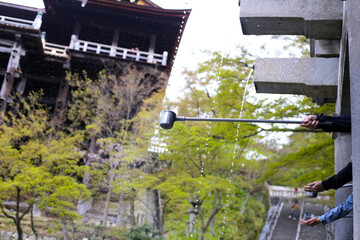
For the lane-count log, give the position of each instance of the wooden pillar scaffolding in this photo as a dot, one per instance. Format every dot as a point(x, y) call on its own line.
point(13, 66)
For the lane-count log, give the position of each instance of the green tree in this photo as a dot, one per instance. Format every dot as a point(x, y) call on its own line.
point(38, 163)
point(115, 143)
point(307, 157)
point(209, 163)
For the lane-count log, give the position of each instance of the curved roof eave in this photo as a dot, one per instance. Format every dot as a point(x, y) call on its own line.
point(140, 8)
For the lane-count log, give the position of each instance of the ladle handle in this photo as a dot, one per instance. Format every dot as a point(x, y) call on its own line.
point(244, 120)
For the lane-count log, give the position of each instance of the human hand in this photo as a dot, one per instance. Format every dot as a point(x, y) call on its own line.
point(310, 122)
point(314, 187)
point(311, 222)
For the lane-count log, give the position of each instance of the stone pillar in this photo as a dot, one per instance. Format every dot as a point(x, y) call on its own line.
point(353, 9)
point(343, 227)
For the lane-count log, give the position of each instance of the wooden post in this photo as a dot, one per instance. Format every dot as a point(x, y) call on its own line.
point(114, 43)
point(38, 20)
point(75, 36)
point(12, 66)
point(151, 49)
point(62, 93)
point(164, 59)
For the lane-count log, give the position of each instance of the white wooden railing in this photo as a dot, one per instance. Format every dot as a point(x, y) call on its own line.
point(103, 49)
point(55, 49)
point(124, 53)
point(15, 21)
point(287, 192)
point(18, 22)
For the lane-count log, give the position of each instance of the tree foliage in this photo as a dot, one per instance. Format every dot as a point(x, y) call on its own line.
point(39, 163)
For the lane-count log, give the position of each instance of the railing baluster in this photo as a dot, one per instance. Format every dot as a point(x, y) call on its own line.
point(85, 46)
point(164, 59)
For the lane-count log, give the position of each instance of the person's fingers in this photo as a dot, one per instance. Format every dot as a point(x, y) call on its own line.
point(316, 124)
point(310, 187)
point(318, 186)
point(310, 122)
point(306, 121)
point(313, 124)
point(310, 222)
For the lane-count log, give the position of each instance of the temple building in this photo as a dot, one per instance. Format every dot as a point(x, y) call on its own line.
point(38, 46)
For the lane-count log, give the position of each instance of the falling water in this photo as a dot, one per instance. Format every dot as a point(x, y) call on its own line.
point(236, 147)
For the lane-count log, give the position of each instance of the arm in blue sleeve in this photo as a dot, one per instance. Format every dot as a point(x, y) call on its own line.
point(338, 212)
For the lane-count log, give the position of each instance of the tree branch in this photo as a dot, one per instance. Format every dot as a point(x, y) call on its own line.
point(214, 212)
point(24, 213)
point(245, 203)
point(7, 215)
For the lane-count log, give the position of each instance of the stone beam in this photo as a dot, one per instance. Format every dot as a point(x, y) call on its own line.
point(312, 18)
point(313, 77)
point(327, 47)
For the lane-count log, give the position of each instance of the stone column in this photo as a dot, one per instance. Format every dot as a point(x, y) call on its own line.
point(353, 9)
point(343, 227)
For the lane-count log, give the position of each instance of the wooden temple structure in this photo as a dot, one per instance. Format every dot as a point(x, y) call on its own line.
point(38, 46)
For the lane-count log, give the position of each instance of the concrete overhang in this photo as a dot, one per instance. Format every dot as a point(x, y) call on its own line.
point(313, 77)
point(312, 18)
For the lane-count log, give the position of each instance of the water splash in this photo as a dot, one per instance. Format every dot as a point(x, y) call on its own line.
point(236, 147)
